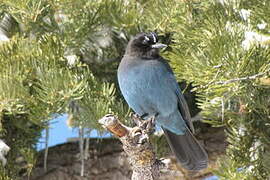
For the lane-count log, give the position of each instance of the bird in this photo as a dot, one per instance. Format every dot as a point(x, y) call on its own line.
point(149, 87)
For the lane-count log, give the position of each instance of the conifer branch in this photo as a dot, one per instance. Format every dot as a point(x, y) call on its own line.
point(243, 78)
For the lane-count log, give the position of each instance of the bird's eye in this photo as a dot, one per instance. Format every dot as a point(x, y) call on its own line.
point(145, 40)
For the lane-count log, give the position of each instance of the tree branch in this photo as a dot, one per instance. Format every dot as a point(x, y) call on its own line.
point(46, 148)
point(243, 78)
point(137, 146)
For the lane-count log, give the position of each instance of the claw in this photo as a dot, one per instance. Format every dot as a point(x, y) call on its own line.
point(148, 124)
point(144, 115)
point(136, 119)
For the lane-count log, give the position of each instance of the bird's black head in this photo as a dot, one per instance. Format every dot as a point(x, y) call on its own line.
point(144, 45)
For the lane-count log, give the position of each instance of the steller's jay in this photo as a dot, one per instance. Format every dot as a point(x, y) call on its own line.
point(150, 89)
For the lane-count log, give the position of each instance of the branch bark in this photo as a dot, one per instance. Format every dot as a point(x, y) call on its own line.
point(137, 146)
point(255, 76)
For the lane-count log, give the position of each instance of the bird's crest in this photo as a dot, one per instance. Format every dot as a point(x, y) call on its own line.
point(148, 38)
point(144, 45)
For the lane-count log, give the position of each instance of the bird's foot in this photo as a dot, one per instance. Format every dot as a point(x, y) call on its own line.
point(137, 119)
point(148, 125)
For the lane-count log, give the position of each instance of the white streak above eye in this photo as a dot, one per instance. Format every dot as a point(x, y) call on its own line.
point(146, 38)
point(154, 37)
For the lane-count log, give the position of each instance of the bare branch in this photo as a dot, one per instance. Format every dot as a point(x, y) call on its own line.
point(137, 145)
point(242, 78)
point(81, 145)
point(46, 148)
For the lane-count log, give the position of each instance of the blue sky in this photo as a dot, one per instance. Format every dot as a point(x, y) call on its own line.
point(59, 133)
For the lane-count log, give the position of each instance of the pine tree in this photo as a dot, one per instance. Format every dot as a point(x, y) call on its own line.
point(38, 78)
point(61, 57)
point(222, 49)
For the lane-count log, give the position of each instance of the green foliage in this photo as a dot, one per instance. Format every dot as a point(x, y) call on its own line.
point(38, 80)
point(229, 170)
point(209, 52)
point(98, 100)
point(3, 174)
point(21, 135)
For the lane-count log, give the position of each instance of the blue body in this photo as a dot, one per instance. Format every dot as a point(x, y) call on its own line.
point(149, 87)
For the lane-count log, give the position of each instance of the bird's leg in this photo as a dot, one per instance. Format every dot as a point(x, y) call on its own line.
point(137, 119)
point(150, 124)
point(144, 116)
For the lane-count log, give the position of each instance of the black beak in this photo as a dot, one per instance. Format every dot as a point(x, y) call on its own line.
point(158, 46)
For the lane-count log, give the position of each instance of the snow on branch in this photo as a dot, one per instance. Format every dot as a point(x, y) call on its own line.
point(3, 152)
